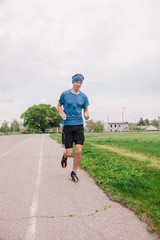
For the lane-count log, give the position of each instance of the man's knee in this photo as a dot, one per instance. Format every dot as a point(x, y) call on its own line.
point(69, 152)
point(78, 150)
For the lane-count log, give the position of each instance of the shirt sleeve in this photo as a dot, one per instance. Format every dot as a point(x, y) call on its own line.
point(86, 103)
point(61, 100)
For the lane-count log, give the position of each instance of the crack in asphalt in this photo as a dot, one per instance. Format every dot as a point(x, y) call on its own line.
point(56, 216)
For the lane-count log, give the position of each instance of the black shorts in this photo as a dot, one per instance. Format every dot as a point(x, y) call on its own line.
point(72, 134)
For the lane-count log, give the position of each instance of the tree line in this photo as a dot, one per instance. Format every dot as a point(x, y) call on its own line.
point(38, 118)
point(94, 126)
point(98, 126)
point(15, 126)
point(44, 117)
point(146, 122)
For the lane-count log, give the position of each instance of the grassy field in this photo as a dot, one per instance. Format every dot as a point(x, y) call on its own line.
point(127, 167)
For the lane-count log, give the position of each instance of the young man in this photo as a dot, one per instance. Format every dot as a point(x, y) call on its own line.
point(70, 106)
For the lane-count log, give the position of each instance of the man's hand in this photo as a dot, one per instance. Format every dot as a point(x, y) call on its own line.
point(86, 114)
point(64, 116)
point(60, 109)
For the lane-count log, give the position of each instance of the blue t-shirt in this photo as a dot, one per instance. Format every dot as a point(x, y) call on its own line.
point(72, 107)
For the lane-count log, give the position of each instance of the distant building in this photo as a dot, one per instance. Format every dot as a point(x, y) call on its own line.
point(148, 128)
point(116, 126)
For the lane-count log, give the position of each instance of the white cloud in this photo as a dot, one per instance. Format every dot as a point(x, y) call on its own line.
point(135, 108)
point(10, 111)
point(114, 44)
point(6, 99)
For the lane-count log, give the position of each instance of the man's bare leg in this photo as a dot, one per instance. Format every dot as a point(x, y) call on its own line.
point(77, 158)
point(68, 152)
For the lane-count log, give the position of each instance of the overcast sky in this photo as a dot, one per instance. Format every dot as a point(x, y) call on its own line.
point(114, 44)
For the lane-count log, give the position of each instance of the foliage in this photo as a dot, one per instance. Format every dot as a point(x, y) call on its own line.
point(155, 123)
point(97, 126)
point(41, 117)
point(98, 129)
point(141, 122)
point(5, 127)
point(90, 125)
point(15, 126)
point(132, 126)
point(146, 122)
point(99, 123)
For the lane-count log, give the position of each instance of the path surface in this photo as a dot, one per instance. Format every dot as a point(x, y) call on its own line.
point(38, 200)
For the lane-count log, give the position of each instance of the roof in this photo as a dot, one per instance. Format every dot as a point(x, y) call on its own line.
point(151, 128)
point(148, 128)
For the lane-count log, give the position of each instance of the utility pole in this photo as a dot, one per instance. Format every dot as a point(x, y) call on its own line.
point(123, 118)
point(108, 124)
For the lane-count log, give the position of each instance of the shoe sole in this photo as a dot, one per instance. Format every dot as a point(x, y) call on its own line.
point(64, 163)
point(74, 179)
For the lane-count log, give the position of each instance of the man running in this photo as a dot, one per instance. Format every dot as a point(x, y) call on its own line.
point(70, 106)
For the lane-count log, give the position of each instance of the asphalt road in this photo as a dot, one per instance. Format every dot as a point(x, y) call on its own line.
point(38, 200)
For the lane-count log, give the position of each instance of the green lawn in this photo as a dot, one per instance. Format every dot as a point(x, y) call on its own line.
point(127, 167)
point(143, 142)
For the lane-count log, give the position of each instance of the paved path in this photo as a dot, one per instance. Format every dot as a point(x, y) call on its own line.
point(38, 200)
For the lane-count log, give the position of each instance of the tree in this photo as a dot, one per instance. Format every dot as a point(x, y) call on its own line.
point(141, 122)
point(99, 123)
point(15, 126)
point(41, 117)
point(90, 125)
point(5, 127)
point(132, 126)
point(146, 122)
point(155, 123)
point(98, 129)
point(99, 126)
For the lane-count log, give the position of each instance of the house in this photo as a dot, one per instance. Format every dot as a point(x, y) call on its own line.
point(148, 128)
point(151, 128)
point(116, 126)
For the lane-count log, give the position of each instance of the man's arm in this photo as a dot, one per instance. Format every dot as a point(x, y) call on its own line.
point(86, 114)
point(60, 109)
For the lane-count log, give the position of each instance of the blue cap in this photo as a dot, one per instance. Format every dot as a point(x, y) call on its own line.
point(77, 77)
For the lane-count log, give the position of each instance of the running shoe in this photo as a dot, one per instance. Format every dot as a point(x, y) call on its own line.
point(74, 177)
point(64, 162)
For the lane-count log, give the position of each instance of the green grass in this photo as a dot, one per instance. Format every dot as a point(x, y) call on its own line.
point(133, 181)
point(143, 142)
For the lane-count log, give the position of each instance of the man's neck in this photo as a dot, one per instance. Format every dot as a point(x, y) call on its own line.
point(74, 91)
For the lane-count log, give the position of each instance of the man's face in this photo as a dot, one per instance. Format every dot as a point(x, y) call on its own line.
point(77, 85)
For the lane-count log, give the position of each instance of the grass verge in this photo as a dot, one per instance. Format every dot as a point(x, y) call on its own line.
point(133, 181)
